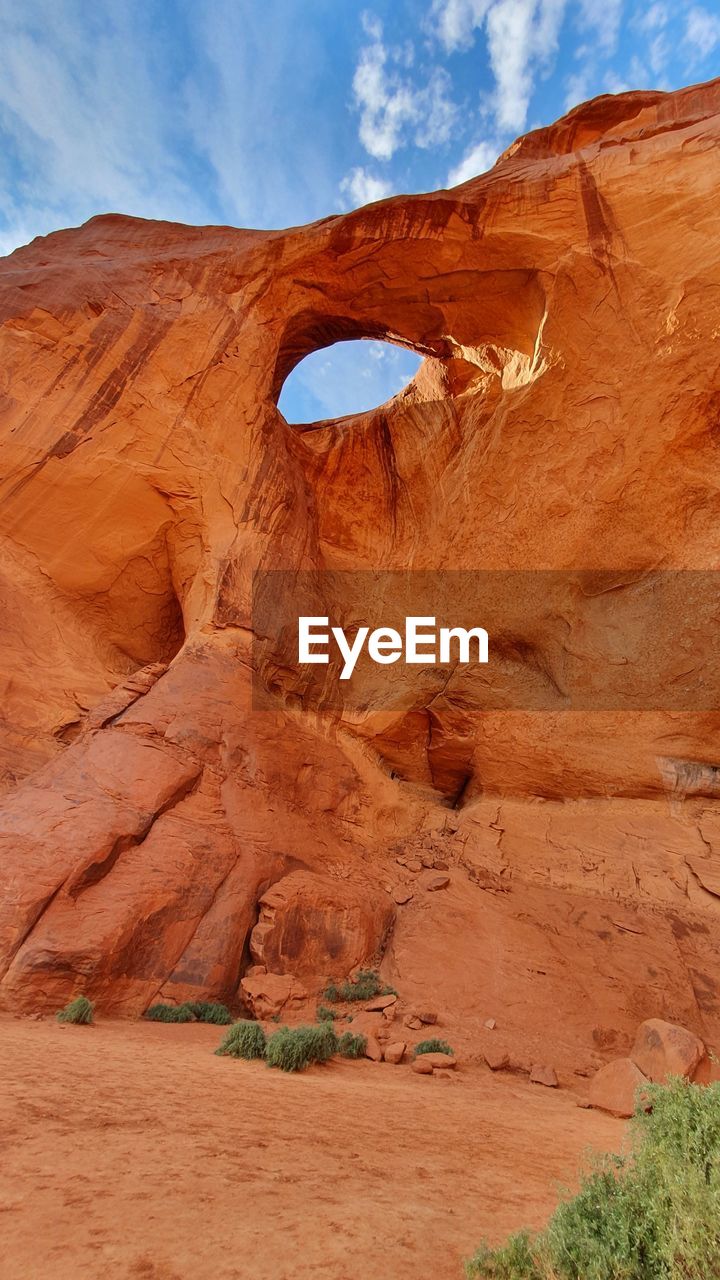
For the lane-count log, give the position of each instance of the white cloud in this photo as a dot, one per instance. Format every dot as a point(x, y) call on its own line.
point(478, 160)
point(522, 36)
point(362, 187)
point(577, 87)
point(393, 109)
point(602, 18)
point(702, 30)
point(654, 18)
point(455, 22)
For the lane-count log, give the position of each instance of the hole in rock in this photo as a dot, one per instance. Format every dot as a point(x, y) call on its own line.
point(348, 377)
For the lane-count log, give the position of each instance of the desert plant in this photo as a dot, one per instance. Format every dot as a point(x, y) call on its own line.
point(366, 986)
point(190, 1011)
point(208, 1011)
point(323, 1014)
point(351, 1046)
point(243, 1040)
point(295, 1048)
point(433, 1046)
point(79, 1011)
point(653, 1214)
point(170, 1013)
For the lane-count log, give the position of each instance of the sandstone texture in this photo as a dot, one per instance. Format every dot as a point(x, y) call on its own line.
point(162, 829)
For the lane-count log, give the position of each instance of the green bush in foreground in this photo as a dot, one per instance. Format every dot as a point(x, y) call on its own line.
point(243, 1040)
point(651, 1215)
point(366, 986)
point(79, 1011)
point(351, 1046)
point(433, 1046)
point(294, 1048)
point(190, 1011)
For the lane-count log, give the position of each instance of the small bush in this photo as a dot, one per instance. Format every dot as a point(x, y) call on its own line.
point(651, 1215)
point(190, 1011)
point(294, 1049)
point(366, 986)
point(170, 1013)
point(351, 1046)
point(207, 1011)
point(243, 1040)
point(434, 1046)
point(79, 1011)
point(323, 1014)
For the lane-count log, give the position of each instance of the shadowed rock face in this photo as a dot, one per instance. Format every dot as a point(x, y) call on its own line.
point(567, 415)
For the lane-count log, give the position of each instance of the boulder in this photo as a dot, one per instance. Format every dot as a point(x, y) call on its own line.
point(380, 1003)
point(540, 1073)
point(428, 1017)
point(311, 925)
point(434, 880)
point(438, 1059)
point(615, 1086)
point(395, 1052)
point(421, 1066)
point(663, 1049)
point(402, 895)
point(496, 1059)
point(269, 994)
point(373, 1050)
point(412, 1022)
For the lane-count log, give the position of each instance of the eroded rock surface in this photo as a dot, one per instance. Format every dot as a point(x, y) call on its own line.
point(566, 416)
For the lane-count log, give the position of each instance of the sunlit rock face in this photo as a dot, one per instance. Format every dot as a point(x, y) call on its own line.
point(566, 415)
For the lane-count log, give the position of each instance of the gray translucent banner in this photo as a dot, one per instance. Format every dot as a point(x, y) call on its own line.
point(590, 640)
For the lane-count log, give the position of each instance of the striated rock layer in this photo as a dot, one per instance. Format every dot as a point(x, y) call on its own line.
point(567, 415)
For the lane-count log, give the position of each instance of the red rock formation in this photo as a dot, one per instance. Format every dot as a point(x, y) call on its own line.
point(566, 416)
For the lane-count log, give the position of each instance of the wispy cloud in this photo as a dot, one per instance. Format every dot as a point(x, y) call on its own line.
point(480, 158)
point(702, 32)
point(394, 108)
point(362, 187)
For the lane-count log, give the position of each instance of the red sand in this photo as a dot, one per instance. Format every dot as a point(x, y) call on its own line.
point(130, 1150)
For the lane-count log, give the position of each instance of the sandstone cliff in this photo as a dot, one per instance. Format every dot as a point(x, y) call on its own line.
point(566, 416)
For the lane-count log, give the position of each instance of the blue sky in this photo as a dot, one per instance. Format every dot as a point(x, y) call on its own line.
point(270, 113)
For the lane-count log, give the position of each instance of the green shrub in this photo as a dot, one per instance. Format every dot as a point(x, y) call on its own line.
point(170, 1013)
point(366, 986)
point(190, 1011)
point(433, 1046)
point(243, 1040)
point(79, 1011)
point(207, 1011)
point(294, 1049)
point(323, 1014)
point(653, 1214)
point(351, 1046)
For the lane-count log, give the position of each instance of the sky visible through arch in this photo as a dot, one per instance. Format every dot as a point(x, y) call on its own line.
point(271, 113)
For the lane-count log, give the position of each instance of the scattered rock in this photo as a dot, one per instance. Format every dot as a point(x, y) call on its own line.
point(439, 865)
point(439, 1059)
point(255, 970)
point(428, 860)
point(414, 865)
point(433, 880)
point(542, 1074)
point(490, 1023)
point(368, 1024)
point(663, 1049)
point(427, 1017)
point(395, 1052)
point(412, 1021)
point(401, 895)
point(379, 1003)
point(496, 1059)
point(269, 994)
point(373, 1050)
point(613, 1088)
point(389, 1013)
point(421, 1066)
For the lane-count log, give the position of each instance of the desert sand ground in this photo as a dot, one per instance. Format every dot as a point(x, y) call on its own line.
point(130, 1150)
